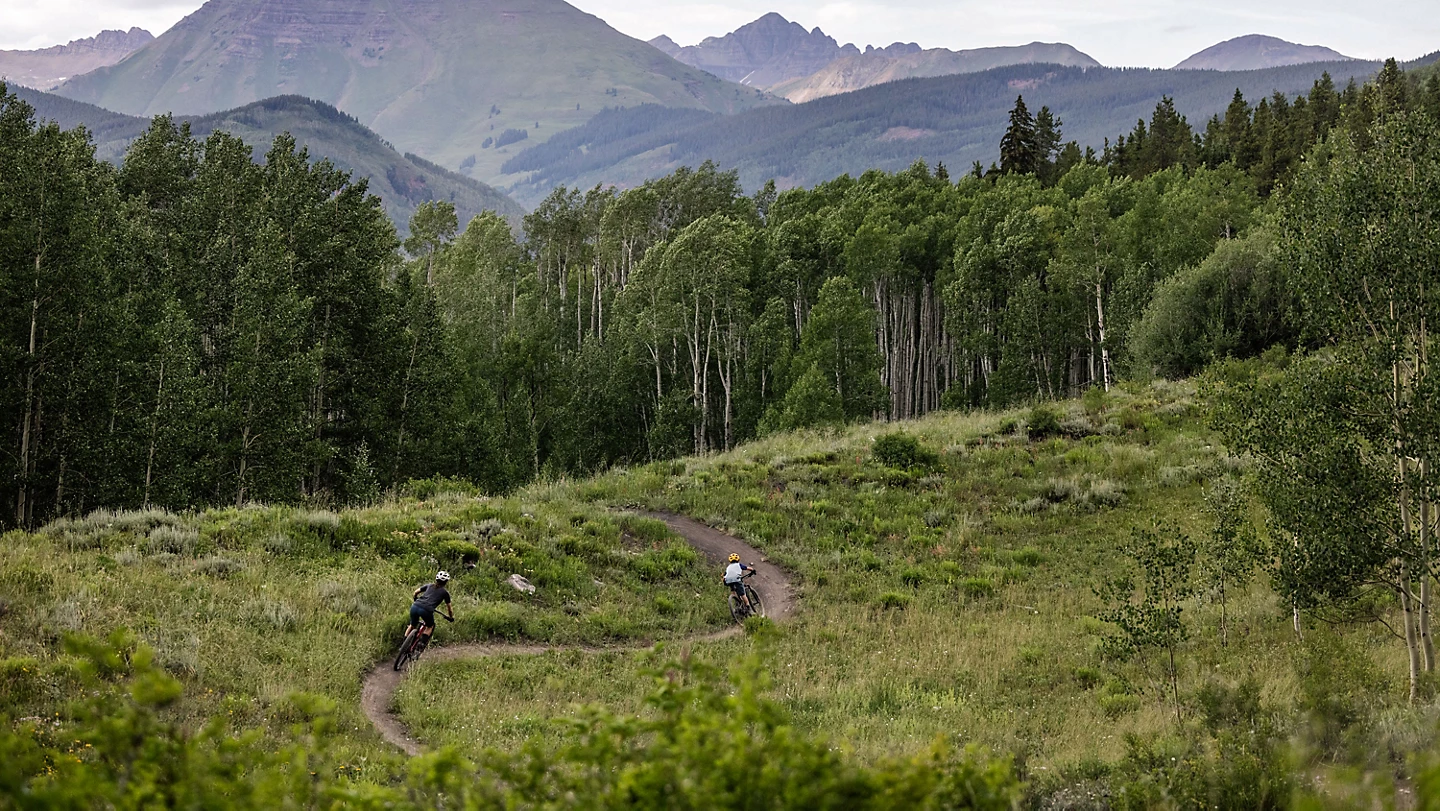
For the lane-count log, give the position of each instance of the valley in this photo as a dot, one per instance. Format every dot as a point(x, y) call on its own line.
point(1076, 420)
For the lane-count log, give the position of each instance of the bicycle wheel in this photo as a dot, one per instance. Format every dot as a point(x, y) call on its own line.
point(407, 648)
point(757, 608)
point(737, 608)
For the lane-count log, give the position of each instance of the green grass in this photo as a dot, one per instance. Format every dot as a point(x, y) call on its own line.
point(950, 600)
point(956, 603)
point(248, 606)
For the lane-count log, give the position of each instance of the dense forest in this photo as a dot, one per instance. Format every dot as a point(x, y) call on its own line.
point(196, 327)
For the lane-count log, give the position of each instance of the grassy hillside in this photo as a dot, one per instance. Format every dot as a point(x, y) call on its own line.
point(248, 606)
point(959, 601)
point(954, 119)
point(403, 182)
point(952, 598)
point(436, 79)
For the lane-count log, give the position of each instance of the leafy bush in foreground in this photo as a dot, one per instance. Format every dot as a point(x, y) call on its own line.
point(705, 743)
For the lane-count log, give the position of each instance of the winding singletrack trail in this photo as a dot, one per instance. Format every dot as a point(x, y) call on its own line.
point(770, 582)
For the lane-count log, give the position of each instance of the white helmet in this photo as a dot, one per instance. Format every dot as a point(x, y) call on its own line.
point(442, 577)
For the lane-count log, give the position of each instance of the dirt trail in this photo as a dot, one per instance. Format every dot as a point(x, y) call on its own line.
point(770, 582)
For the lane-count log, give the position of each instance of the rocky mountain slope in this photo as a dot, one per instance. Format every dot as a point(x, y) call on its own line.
point(1256, 52)
point(45, 68)
point(782, 57)
point(449, 79)
point(763, 53)
point(402, 182)
point(880, 65)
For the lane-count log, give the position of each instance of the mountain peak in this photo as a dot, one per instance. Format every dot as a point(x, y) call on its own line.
point(1256, 52)
point(45, 68)
point(762, 53)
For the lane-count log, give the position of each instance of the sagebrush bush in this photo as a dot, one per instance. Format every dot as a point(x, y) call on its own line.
point(277, 614)
point(175, 540)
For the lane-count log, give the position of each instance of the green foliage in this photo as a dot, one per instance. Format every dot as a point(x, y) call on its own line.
point(702, 742)
point(1148, 612)
point(1043, 422)
point(903, 450)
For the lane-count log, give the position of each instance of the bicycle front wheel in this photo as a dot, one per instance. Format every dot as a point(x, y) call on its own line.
point(407, 648)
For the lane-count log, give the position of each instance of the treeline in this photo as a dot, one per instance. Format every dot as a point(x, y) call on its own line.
point(197, 328)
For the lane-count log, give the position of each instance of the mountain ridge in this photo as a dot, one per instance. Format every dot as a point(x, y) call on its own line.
point(781, 56)
point(44, 68)
point(437, 78)
point(878, 66)
point(402, 181)
point(1257, 52)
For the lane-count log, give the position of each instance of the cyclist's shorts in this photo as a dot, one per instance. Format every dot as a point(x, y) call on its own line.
point(423, 615)
point(738, 587)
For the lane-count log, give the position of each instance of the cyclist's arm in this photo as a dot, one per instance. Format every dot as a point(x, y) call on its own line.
point(418, 592)
point(449, 610)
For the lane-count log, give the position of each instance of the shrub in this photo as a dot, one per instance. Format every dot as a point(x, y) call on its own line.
point(455, 552)
point(277, 614)
point(171, 539)
point(1115, 706)
point(277, 543)
point(894, 600)
point(913, 577)
point(1043, 422)
point(904, 451)
point(1132, 419)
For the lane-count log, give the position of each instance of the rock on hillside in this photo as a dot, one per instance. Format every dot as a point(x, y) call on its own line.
point(48, 67)
point(766, 52)
point(1256, 52)
point(402, 182)
point(435, 77)
point(877, 66)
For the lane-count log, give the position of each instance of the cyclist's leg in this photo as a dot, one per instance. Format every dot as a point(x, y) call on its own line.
point(427, 624)
point(738, 587)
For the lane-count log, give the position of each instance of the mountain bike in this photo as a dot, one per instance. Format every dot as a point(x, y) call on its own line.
point(414, 644)
point(738, 609)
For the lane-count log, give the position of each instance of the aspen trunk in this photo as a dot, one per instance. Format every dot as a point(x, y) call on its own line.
point(1104, 347)
point(154, 435)
point(26, 464)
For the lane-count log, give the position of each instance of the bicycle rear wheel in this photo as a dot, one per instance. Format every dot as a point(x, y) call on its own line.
point(757, 608)
point(737, 608)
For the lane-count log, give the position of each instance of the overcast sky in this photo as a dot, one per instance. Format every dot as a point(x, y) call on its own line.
point(1154, 33)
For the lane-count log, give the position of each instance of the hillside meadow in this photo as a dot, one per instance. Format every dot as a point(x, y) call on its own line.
point(947, 593)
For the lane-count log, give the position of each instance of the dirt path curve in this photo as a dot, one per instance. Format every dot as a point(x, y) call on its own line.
point(770, 582)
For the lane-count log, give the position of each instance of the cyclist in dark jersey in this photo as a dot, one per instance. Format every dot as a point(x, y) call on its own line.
point(428, 598)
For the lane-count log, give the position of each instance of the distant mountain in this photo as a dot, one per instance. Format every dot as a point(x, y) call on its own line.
point(402, 182)
point(785, 59)
point(449, 79)
point(877, 66)
point(763, 53)
point(1256, 52)
point(48, 67)
point(956, 120)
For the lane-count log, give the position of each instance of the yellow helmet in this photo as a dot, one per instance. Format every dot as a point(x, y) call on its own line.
point(734, 558)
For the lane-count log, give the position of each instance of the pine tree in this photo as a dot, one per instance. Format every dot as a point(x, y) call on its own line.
point(1020, 146)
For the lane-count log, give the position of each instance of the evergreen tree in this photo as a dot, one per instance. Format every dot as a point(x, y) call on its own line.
point(1020, 148)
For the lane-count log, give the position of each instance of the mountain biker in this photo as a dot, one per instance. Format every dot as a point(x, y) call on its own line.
point(734, 573)
point(428, 598)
